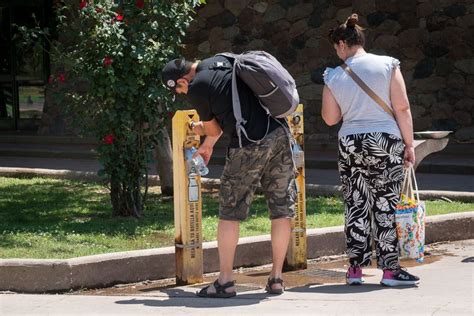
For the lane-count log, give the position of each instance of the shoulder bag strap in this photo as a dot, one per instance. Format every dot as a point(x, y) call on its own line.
point(367, 90)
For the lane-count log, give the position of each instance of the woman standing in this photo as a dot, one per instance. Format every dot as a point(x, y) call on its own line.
point(374, 144)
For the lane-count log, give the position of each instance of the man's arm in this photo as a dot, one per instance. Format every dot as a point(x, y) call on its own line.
point(213, 132)
point(208, 128)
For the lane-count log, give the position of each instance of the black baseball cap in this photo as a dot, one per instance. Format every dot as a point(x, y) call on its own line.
point(172, 71)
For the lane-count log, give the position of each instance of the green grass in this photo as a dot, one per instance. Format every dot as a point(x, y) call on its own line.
point(47, 218)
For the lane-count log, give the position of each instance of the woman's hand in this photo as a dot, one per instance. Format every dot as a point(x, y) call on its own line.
point(409, 156)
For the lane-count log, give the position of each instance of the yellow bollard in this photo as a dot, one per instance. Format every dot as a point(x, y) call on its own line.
point(187, 203)
point(297, 251)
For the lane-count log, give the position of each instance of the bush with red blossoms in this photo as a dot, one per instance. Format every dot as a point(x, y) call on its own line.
point(108, 139)
point(113, 88)
point(107, 61)
point(140, 4)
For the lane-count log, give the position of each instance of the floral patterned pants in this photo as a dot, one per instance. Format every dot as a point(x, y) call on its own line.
point(371, 170)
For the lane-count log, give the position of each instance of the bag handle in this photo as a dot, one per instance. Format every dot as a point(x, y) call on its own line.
point(367, 90)
point(417, 194)
point(409, 180)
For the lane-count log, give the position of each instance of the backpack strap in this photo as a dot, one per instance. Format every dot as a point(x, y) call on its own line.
point(367, 90)
point(239, 120)
point(239, 124)
point(220, 65)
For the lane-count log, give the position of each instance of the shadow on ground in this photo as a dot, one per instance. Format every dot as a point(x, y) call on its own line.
point(181, 298)
point(343, 288)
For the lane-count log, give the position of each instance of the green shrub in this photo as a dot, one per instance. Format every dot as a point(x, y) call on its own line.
point(107, 57)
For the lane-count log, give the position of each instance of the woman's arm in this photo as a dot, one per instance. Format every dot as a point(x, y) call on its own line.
point(401, 108)
point(330, 111)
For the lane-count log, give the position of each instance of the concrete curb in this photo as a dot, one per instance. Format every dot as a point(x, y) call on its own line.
point(49, 173)
point(43, 139)
point(38, 276)
point(213, 184)
point(39, 153)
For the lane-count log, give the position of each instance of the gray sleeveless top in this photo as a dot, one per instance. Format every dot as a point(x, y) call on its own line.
point(361, 114)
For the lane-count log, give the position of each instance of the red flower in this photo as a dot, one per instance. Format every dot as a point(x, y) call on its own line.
point(119, 18)
point(140, 4)
point(62, 78)
point(107, 61)
point(50, 79)
point(109, 139)
point(83, 4)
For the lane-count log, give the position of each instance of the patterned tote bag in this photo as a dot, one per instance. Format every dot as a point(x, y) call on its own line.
point(410, 219)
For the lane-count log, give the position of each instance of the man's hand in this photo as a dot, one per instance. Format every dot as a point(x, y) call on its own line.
point(409, 156)
point(213, 132)
point(206, 152)
point(197, 127)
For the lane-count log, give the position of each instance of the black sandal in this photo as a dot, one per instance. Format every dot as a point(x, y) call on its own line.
point(272, 281)
point(220, 290)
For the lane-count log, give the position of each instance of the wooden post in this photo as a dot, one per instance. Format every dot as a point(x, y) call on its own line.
point(297, 252)
point(187, 203)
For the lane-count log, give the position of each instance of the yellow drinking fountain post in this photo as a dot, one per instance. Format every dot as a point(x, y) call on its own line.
point(187, 202)
point(297, 252)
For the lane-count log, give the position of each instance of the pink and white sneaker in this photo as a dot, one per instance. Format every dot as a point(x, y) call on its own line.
point(399, 277)
point(354, 276)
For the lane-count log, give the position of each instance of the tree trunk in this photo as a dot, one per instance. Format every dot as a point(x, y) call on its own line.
point(164, 158)
point(53, 121)
point(125, 198)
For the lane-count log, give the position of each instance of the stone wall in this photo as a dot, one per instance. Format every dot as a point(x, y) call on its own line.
point(433, 39)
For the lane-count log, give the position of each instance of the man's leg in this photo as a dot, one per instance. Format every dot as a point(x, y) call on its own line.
point(278, 185)
point(227, 239)
point(281, 229)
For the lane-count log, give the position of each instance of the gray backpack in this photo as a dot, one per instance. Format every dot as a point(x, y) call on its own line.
point(274, 87)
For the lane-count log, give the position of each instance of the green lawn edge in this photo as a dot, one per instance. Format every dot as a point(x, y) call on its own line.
point(58, 219)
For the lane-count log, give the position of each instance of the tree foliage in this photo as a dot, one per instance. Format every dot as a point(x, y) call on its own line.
point(107, 57)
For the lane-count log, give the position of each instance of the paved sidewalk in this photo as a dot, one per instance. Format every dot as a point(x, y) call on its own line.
point(446, 289)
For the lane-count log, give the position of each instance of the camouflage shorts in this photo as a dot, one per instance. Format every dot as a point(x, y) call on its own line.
point(268, 162)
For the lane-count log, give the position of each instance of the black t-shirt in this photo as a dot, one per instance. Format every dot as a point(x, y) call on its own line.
point(210, 93)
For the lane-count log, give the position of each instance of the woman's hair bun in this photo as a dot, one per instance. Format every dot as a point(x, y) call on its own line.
point(350, 32)
point(352, 20)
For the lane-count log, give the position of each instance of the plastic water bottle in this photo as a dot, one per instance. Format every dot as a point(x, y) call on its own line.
point(197, 161)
